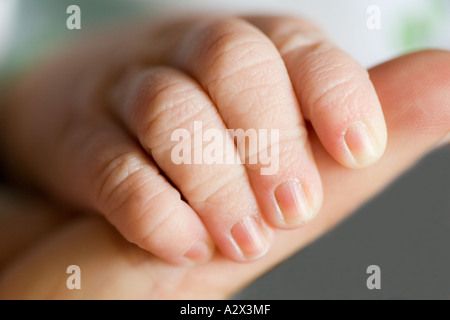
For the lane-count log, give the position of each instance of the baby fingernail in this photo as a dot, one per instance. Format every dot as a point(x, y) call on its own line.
point(199, 252)
point(293, 203)
point(361, 143)
point(250, 238)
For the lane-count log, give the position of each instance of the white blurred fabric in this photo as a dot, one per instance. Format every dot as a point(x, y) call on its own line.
point(7, 16)
point(344, 20)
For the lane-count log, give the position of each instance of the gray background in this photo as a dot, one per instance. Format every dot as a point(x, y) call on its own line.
point(405, 230)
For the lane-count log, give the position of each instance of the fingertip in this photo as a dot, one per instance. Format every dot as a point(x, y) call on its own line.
point(199, 253)
point(363, 144)
point(252, 239)
point(295, 205)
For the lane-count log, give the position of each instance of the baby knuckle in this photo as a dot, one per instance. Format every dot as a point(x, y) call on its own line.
point(232, 47)
point(168, 110)
point(217, 190)
point(334, 90)
point(118, 178)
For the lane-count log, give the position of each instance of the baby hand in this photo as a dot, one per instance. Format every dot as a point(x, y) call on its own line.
point(125, 124)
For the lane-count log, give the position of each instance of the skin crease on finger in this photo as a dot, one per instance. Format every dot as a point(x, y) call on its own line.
point(417, 117)
point(42, 127)
point(122, 203)
point(107, 159)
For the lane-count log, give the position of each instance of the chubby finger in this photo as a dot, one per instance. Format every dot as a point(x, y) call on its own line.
point(176, 122)
point(80, 154)
point(334, 91)
point(245, 77)
point(115, 176)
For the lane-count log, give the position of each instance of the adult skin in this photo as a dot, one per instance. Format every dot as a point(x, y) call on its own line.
point(414, 94)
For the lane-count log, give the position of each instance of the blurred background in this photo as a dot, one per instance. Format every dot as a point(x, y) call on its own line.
point(405, 230)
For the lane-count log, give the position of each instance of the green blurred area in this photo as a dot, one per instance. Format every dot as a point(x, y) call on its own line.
point(417, 30)
point(42, 26)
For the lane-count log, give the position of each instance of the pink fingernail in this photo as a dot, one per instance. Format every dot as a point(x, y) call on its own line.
point(293, 203)
point(199, 252)
point(361, 144)
point(250, 238)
